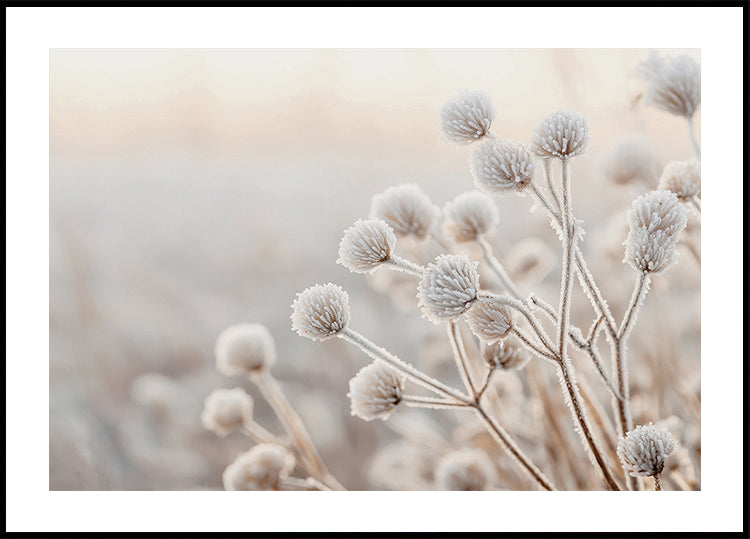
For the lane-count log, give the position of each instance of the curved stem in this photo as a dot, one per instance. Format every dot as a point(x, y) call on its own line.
point(693, 141)
point(533, 347)
point(526, 312)
point(402, 264)
point(375, 352)
point(497, 268)
point(459, 353)
point(639, 292)
point(427, 402)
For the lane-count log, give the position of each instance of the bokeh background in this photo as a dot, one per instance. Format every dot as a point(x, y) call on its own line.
point(195, 189)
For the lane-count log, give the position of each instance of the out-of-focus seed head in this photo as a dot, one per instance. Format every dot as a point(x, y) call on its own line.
point(245, 349)
point(656, 220)
point(366, 245)
point(226, 410)
point(644, 450)
point(632, 159)
point(674, 85)
point(467, 469)
point(683, 178)
point(406, 209)
point(563, 134)
point(261, 468)
point(375, 391)
point(466, 118)
point(490, 319)
point(448, 287)
point(499, 166)
point(506, 354)
point(158, 394)
point(469, 216)
point(320, 312)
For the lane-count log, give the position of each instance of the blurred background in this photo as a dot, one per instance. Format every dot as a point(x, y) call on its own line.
point(195, 189)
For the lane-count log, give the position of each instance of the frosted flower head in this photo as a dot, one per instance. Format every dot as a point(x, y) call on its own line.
point(158, 394)
point(366, 245)
point(656, 220)
point(469, 216)
point(375, 391)
point(467, 469)
point(499, 166)
point(632, 159)
point(226, 410)
point(244, 349)
point(644, 450)
point(674, 85)
point(448, 287)
point(406, 209)
point(562, 134)
point(490, 319)
point(466, 118)
point(261, 468)
point(506, 354)
point(683, 178)
point(320, 312)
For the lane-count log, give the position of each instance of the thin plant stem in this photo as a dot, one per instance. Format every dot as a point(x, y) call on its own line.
point(407, 266)
point(486, 384)
point(459, 353)
point(294, 427)
point(550, 186)
point(657, 482)
point(526, 312)
point(693, 141)
point(257, 433)
point(497, 268)
point(427, 402)
point(533, 347)
point(376, 352)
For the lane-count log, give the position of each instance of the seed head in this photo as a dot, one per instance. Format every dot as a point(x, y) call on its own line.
point(261, 468)
point(507, 354)
point(466, 118)
point(499, 166)
point(562, 134)
point(674, 85)
point(469, 216)
point(632, 159)
point(644, 450)
point(490, 319)
point(244, 349)
point(375, 391)
point(320, 312)
point(467, 469)
point(448, 287)
point(656, 220)
point(683, 178)
point(406, 209)
point(366, 245)
point(226, 410)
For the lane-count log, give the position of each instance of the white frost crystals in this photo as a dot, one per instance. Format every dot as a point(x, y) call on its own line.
point(490, 319)
point(656, 220)
point(366, 245)
point(498, 166)
point(674, 85)
point(644, 450)
point(320, 312)
point(562, 134)
point(406, 209)
point(375, 391)
point(469, 216)
point(683, 178)
point(466, 118)
point(448, 287)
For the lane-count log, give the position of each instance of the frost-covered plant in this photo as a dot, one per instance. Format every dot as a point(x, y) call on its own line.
point(264, 467)
point(466, 118)
point(644, 450)
point(226, 410)
point(407, 210)
point(375, 391)
point(468, 469)
point(683, 178)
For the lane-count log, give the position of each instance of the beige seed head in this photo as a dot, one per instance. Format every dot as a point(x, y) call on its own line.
point(644, 450)
point(406, 209)
point(490, 319)
point(506, 354)
point(320, 312)
point(366, 245)
point(499, 166)
point(469, 216)
point(261, 468)
point(375, 391)
point(631, 159)
point(448, 287)
point(683, 178)
point(656, 220)
point(467, 469)
point(674, 85)
point(244, 349)
point(563, 134)
point(466, 118)
point(226, 410)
